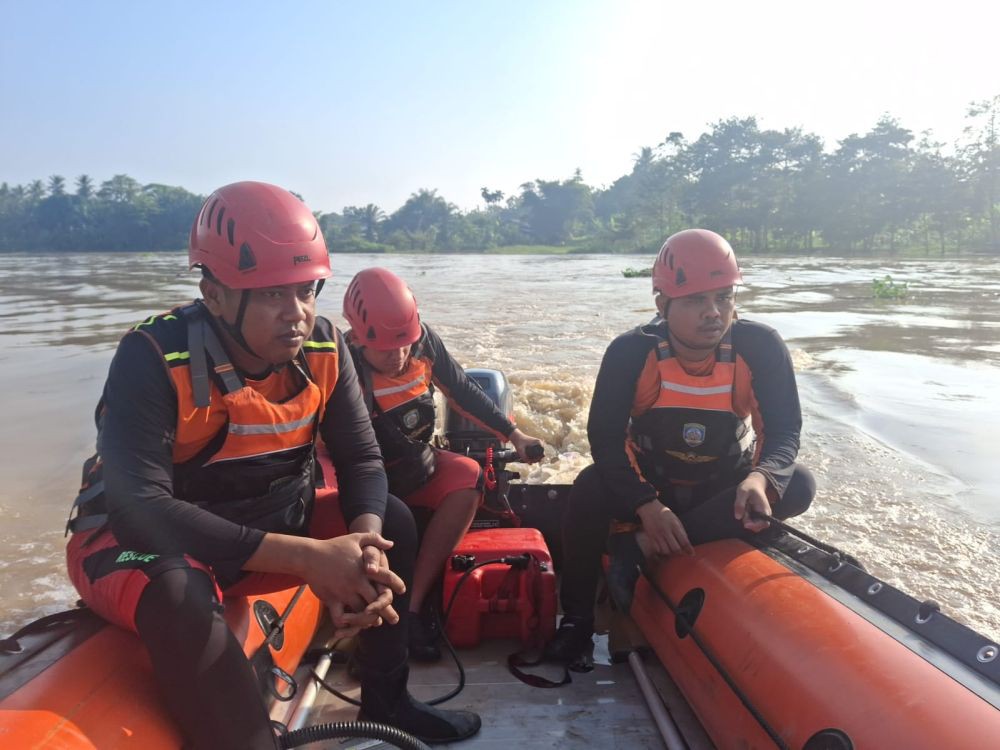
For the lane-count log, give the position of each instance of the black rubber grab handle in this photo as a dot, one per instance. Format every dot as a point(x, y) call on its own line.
point(537, 450)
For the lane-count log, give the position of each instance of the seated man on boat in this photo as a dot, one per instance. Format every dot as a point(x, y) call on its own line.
point(400, 361)
point(694, 429)
point(207, 433)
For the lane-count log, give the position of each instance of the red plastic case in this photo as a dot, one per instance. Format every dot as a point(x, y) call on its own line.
point(498, 600)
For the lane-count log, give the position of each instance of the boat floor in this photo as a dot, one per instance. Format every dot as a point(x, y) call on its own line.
point(602, 708)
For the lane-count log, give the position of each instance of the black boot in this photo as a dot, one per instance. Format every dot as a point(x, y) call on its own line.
point(424, 634)
point(571, 641)
point(384, 699)
point(623, 569)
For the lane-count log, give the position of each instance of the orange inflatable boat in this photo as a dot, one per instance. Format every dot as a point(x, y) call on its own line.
point(72, 682)
point(790, 646)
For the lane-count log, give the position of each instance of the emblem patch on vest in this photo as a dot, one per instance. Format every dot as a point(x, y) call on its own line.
point(411, 418)
point(694, 434)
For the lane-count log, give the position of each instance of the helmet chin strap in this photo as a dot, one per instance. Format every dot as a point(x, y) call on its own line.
point(235, 330)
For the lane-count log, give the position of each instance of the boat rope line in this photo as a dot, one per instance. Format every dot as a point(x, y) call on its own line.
point(55, 635)
point(279, 624)
point(829, 549)
point(262, 659)
point(966, 656)
point(689, 627)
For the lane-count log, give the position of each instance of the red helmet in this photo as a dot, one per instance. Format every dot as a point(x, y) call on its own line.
point(381, 310)
point(694, 261)
point(251, 235)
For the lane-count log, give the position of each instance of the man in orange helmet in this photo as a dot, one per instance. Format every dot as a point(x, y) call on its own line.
point(694, 429)
point(207, 433)
point(400, 362)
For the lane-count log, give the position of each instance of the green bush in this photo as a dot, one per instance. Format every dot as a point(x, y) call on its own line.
point(886, 288)
point(637, 273)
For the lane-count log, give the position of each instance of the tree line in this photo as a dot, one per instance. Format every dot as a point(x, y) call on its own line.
point(767, 190)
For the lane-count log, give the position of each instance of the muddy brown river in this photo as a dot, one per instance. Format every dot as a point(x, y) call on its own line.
point(900, 398)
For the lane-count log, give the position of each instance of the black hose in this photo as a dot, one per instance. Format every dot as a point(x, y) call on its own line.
point(458, 663)
point(512, 560)
point(368, 730)
point(332, 690)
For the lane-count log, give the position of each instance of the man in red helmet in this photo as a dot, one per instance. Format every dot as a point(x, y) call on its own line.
point(207, 432)
point(694, 429)
point(400, 361)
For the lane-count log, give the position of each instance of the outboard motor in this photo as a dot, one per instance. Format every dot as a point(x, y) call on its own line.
point(462, 435)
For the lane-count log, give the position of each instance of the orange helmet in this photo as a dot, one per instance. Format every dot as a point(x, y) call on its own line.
point(251, 235)
point(694, 261)
point(381, 310)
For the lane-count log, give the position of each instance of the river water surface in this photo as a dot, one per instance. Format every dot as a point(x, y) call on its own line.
point(899, 397)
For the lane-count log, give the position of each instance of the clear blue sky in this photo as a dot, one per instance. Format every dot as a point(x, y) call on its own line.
point(350, 105)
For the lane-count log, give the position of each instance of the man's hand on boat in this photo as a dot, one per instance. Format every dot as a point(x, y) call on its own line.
point(751, 495)
point(525, 447)
point(349, 573)
point(662, 531)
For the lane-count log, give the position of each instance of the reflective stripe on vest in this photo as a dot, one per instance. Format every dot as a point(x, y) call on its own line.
point(412, 383)
point(418, 385)
point(254, 424)
point(678, 389)
point(695, 390)
point(268, 429)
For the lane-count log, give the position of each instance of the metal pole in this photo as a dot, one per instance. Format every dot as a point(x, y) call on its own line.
point(309, 693)
point(668, 730)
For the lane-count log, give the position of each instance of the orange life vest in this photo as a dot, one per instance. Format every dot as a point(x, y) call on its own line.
point(691, 434)
point(243, 450)
point(402, 412)
point(405, 401)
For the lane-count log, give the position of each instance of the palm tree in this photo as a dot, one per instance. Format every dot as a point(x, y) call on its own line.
point(491, 197)
point(84, 187)
point(120, 189)
point(36, 191)
point(57, 185)
point(371, 216)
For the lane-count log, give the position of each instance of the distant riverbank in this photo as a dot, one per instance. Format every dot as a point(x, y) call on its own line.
point(830, 253)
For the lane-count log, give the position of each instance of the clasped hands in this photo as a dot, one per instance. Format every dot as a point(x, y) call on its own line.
point(351, 575)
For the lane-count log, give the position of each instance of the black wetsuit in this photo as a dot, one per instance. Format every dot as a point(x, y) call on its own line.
point(613, 489)
point(200, 667)
point(136, 441)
